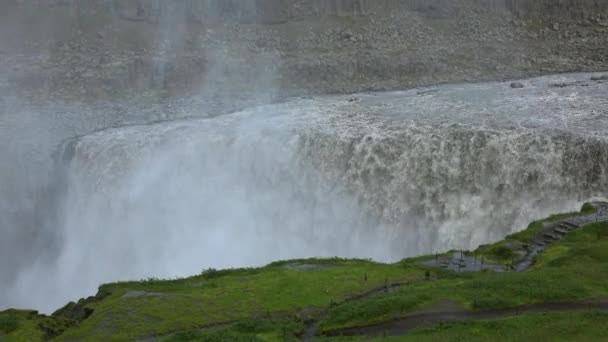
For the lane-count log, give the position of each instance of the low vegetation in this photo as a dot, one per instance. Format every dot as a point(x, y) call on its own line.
point(578, 326)
point(289, 299)
point(9, 321)
point(527, 235)
point(573, 269)
point(513, 248)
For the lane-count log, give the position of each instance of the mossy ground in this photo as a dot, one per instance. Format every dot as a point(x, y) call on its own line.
point(279, 301)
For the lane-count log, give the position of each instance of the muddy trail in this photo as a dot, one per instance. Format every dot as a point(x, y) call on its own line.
point(427, 319)
point(312, 328)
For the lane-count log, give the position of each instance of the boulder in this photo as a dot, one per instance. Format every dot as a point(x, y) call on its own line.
point(600, 78)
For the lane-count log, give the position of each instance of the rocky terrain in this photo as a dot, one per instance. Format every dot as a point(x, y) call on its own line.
point(258, 50)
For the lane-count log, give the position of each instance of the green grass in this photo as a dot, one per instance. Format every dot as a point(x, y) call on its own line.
point(573, 269)
point(213, 337)
point(579, 326)
point(513, 248)
point(9, 322)
point(226, 296)
point(276, 302)
point(17, 326)
point(502, 252)
point(584, 248)
point(587, 326)
point(260, 329)
point(535, 227)
point(482, 291)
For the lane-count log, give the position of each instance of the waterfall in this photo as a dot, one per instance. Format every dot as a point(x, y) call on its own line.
point(382, 176)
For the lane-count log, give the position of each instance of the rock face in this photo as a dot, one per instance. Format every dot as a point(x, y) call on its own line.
point(263, 49)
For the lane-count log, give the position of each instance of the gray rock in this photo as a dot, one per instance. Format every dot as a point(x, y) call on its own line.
point(517, 85)
point(600, 78)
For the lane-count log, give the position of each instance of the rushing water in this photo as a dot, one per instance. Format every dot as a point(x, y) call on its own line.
point(384, 175)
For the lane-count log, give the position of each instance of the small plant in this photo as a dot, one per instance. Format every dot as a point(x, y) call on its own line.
point(150, 281)
point(502, 252)
point(210, 273)
point(587, 208)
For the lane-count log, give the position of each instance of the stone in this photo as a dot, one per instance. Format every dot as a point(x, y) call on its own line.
point(517, 85)
point(600, 78)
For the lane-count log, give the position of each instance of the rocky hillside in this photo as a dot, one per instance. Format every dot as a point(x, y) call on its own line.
point(267, 48)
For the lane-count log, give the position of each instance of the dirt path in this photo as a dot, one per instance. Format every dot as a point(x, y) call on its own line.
point(427, 319)
point(313, 327)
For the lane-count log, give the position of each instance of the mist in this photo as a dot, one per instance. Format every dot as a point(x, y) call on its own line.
point(151, 139)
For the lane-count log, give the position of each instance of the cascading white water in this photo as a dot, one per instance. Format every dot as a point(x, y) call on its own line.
point(384, 176)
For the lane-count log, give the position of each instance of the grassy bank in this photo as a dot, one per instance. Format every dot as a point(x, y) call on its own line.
point(284, 300)
point(582, 326)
